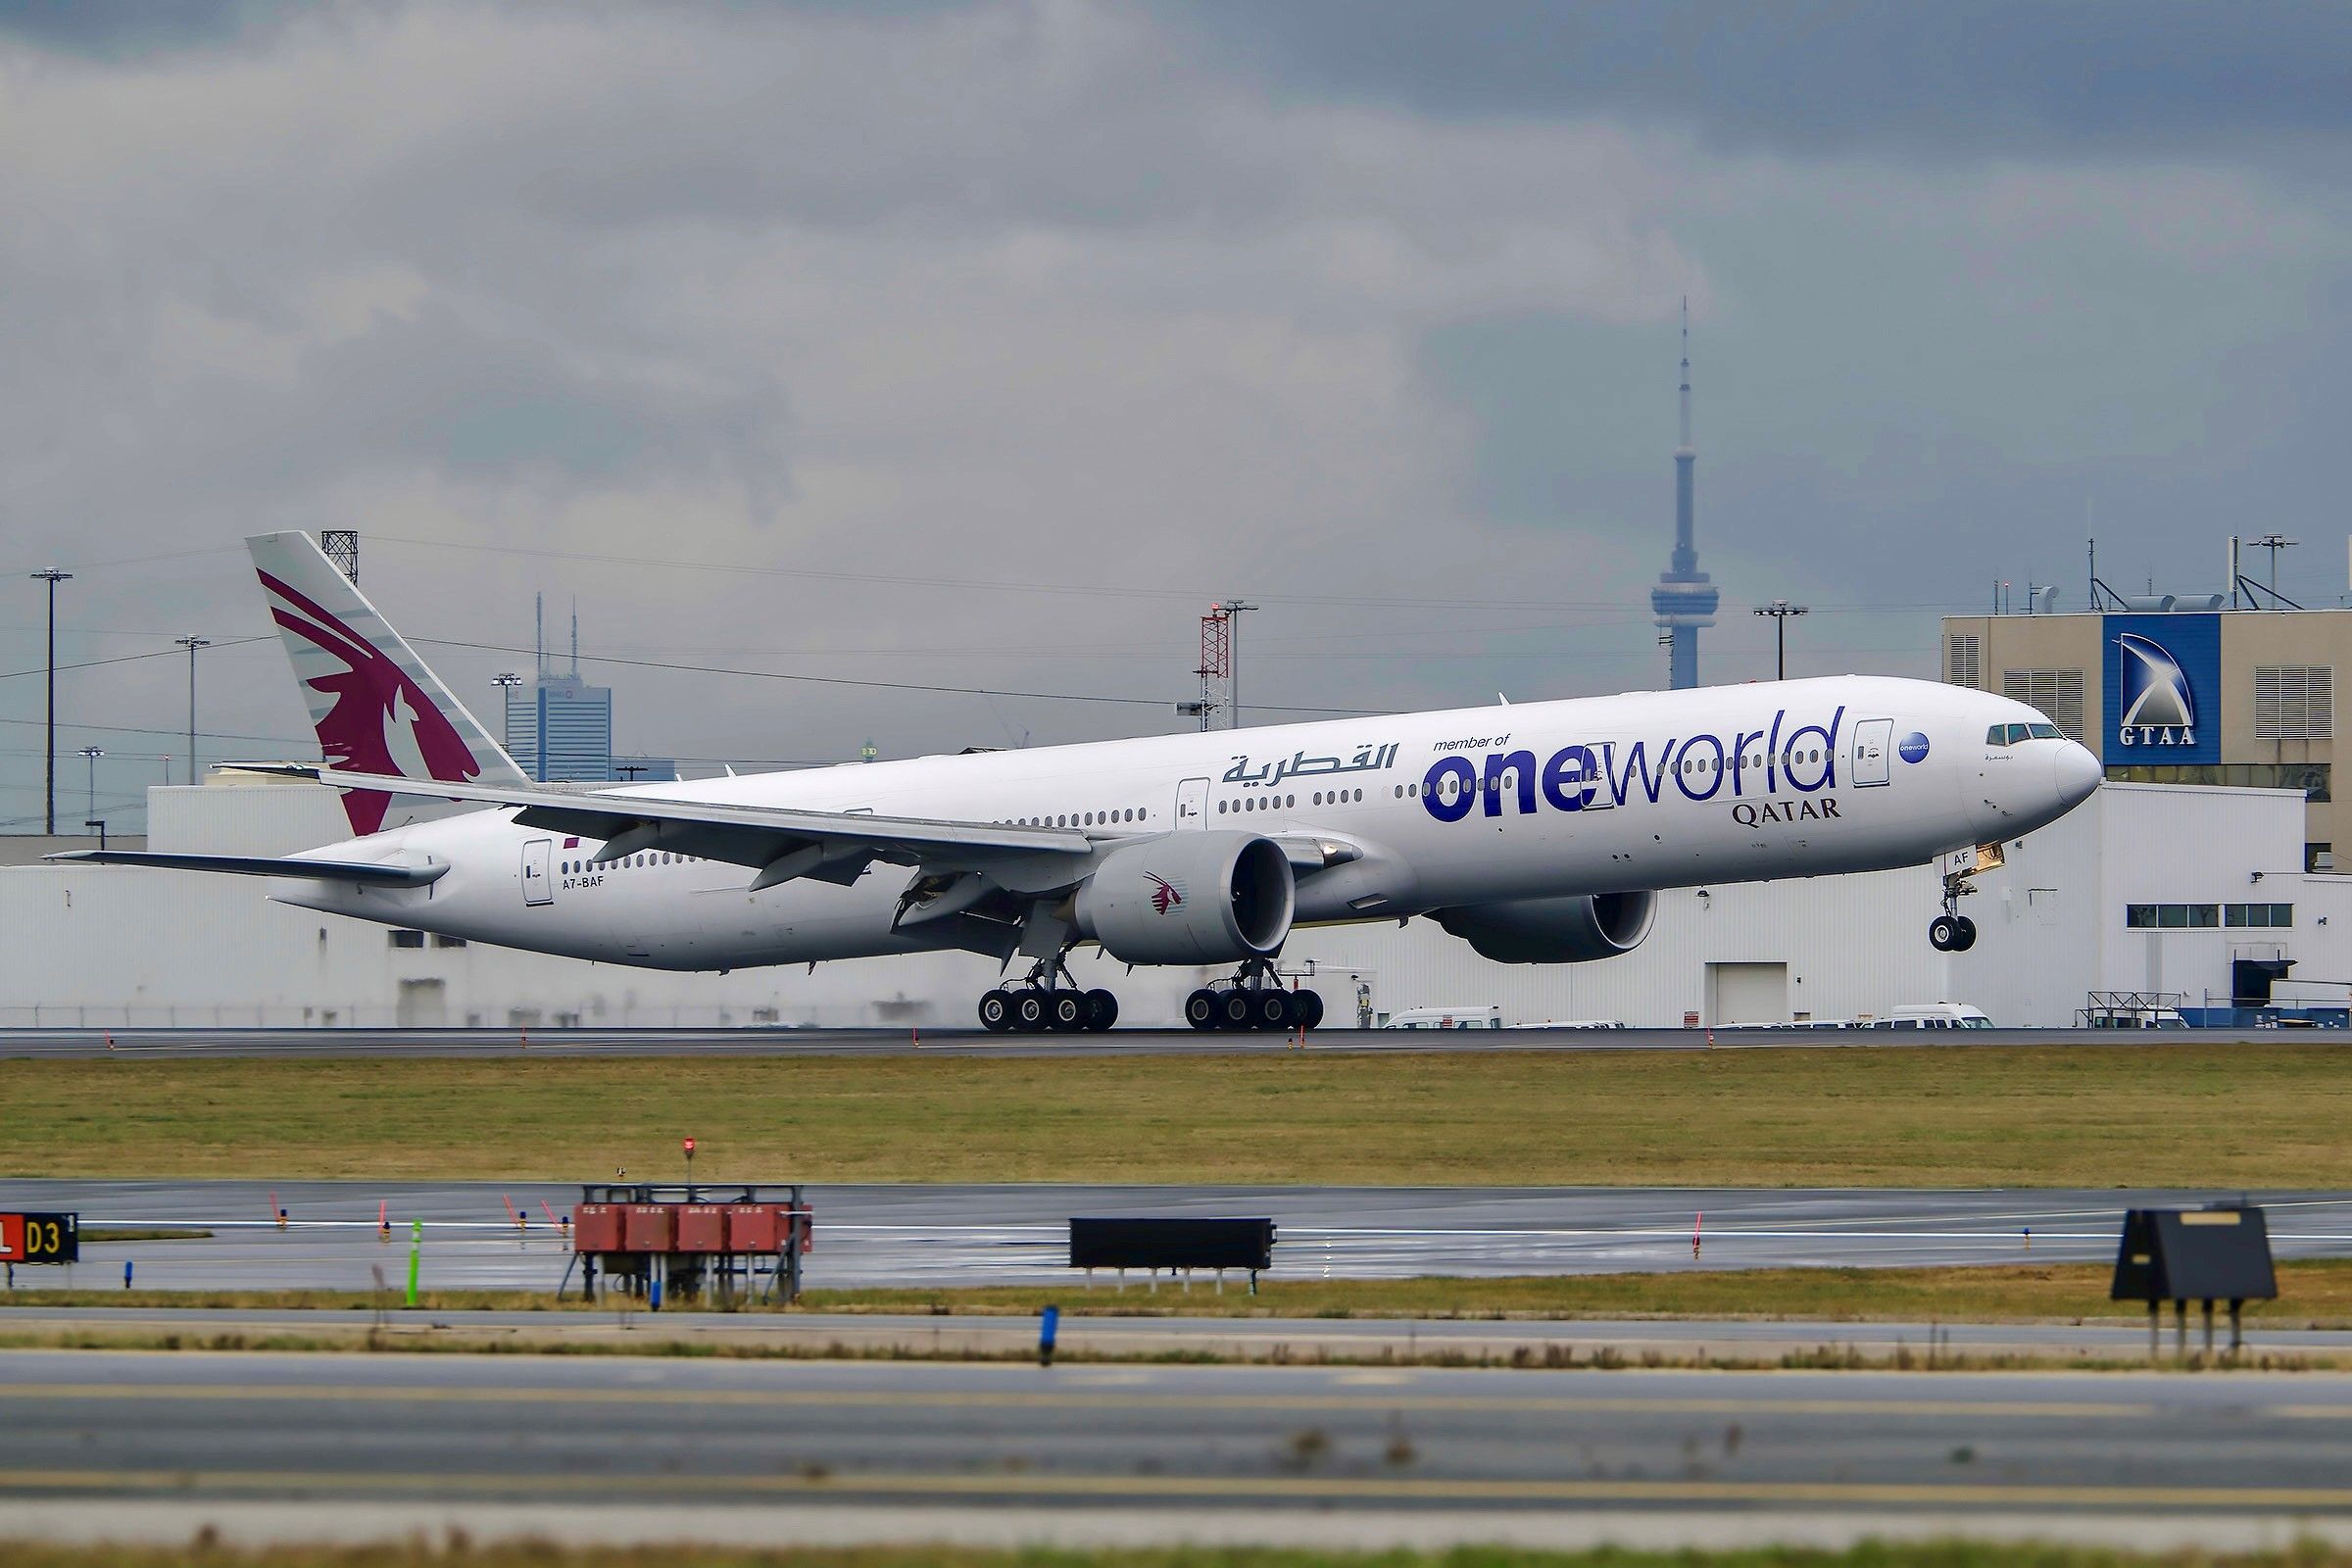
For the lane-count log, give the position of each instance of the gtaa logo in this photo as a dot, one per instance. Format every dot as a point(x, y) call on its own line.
point(1165, 894)
point(2158, 706)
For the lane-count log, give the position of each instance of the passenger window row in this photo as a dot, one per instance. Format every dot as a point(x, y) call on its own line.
point(629, 862)
point(1133, 814)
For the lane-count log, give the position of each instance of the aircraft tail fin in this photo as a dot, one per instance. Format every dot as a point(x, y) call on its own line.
point(375, 706)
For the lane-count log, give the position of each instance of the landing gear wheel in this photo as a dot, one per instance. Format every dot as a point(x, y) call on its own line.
point(1201, 1009)
point(996, 1012)
point(1310, 1009)
point(1065, 1012)
point(1235, 1011)
point(1272, 1010)
point(1966, 937)
point(1101, 1010)
point(1028, 1012)
point(1944, 933)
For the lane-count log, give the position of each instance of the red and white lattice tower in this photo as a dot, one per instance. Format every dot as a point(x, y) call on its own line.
point(1216, 668)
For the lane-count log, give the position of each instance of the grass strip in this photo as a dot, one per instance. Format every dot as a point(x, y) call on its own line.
point(456, 1551)
point(2255, 1115)
point(2313, 1293)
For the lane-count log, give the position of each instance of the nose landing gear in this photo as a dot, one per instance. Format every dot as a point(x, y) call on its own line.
point(1039, 1005)
point(1254, 999)
point(1951, 931)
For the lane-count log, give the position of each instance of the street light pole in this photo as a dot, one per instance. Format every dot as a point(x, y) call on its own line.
point(91, 753)
point(191, 644)
point(52, 577)
point(506, 682)
point(1780, 609)
point(1232, 608)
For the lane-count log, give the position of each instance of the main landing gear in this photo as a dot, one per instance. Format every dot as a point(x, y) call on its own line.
point(1038, 1005)
point(1951, 931)
point(1254, 999)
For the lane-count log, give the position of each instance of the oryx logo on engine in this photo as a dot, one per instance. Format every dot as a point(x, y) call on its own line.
point(1165, 894)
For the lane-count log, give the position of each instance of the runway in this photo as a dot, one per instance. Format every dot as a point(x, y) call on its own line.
point(74, 1043)
point(915, 1451)
point(1017, 1234)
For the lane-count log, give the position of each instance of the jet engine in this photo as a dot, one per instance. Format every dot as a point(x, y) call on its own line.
point(1573, 930)
point(1190, 898)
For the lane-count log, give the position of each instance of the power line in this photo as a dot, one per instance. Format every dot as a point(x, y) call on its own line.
point(176, 732)
point(1030, 585)
point(127, 659)
point(875, 685)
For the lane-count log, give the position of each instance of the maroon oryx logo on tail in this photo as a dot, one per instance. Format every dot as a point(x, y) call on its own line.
point(378, 720)
point(1165, 894)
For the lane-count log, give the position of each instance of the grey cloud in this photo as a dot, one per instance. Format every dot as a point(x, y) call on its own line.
point(1968, 77)
point(124, 29)
point(1075, 294)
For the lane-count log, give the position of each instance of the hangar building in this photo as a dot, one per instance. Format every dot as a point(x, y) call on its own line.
point(2204, 697)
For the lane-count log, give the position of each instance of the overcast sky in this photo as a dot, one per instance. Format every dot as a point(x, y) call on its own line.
point(984, 345)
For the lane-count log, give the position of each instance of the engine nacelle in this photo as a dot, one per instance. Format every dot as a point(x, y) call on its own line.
point(1190, 898)
point(1576, 930)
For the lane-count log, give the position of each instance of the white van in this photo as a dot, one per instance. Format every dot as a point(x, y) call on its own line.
point(1445, 1018)
point(1934, 1015)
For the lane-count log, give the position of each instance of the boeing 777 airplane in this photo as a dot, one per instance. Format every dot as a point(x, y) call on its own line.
point(1538, 833)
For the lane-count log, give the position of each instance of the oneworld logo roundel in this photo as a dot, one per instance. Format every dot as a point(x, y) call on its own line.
point(1914, 748)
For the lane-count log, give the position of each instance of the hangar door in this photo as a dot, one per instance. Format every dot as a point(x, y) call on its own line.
point(1747, 993)
point(423, 1004)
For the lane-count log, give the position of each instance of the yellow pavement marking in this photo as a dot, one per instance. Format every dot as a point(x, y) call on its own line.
point(1029, 1399)
point(1333, 1489)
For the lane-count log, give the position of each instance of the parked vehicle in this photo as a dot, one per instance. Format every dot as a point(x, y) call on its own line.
point(1934, 1015)
point(1487, 1017)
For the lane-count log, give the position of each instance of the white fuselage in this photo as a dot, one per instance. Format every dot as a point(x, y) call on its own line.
point(1596, 795)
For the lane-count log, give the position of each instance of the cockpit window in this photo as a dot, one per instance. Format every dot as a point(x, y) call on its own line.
point(2047, 732)
point(1996, 736)
point(2019, 733)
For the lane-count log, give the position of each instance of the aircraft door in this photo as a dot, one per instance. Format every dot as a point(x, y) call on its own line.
point(538, 887)
point(1192, 804)
point(1873, 738)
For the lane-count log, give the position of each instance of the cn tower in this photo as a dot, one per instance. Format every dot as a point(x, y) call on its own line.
point(1684, 599)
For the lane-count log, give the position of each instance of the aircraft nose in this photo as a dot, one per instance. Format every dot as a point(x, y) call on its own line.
point(2077, 773)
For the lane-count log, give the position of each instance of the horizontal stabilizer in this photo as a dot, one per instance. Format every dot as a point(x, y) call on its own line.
point(365, 874)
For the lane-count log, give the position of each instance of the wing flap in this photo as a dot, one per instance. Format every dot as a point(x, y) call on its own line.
point(364, 873)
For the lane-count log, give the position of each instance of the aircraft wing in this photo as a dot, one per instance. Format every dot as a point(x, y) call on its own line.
point(779, 842)
point(365, 874)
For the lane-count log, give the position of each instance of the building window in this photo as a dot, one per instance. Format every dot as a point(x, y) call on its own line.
point(2058, 693)
point(406, 939)
point(2175, 917)
point(2294, 702)
point(1964, 660)
point(2260, 916)
point(2312, 778)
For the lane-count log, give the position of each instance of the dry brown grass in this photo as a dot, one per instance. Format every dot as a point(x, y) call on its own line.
point(2314, 1293)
